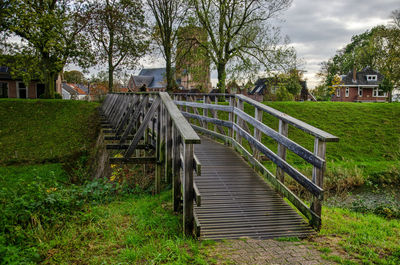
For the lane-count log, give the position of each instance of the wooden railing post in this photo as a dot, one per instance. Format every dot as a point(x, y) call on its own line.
point(239, 121)
point(258, 115)
point(231, 116)
point(188, 189)
point(205, 112)
point(215, 113)
point(318, 173)
point(283, 129)
point(168, 147)
point(157, 179)
point(176, 169)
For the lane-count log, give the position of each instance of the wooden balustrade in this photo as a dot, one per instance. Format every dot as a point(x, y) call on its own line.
point(238, 131)
point(150, 129)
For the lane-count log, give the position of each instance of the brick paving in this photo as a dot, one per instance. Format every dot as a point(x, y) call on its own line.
point(251, 251)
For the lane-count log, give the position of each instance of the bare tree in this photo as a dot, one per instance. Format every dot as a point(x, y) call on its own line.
point(119, 33)
point(241, 34)
point(396, 18)
point(169, 15)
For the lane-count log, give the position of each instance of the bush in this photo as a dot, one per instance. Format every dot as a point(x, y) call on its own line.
point(57, 96)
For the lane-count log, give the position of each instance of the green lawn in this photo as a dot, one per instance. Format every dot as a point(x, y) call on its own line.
point(38, 131)
point(369, 135)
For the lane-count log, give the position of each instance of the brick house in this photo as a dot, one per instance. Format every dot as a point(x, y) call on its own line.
point(360, 86)
point(16, 88)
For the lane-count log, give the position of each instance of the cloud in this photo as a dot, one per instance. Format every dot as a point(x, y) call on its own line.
point(319, 28)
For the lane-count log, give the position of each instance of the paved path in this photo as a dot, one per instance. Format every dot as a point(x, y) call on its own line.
point(252, 251)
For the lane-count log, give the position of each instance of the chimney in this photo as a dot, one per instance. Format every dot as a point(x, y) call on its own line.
point(354, 75)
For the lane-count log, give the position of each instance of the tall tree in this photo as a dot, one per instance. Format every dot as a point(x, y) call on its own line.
point(169, 16)
point(241, 35)
point(50, 33)
point(120, 35)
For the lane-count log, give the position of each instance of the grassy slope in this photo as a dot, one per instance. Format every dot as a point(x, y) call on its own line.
point(36, 131)
point(369, 133)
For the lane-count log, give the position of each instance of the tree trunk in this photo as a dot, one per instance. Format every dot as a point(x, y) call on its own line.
point(49, 84)
point(110, 78)
point(169, 72)
point(221, 77)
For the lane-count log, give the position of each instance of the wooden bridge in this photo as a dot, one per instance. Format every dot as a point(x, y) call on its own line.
point(218, 180)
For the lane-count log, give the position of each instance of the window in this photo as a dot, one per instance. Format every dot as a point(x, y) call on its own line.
point(372, 78)
point(22, 91)
point(379, 93)
point(360, 91)
point(3, 90)
point(338, 92)
point(347, 92)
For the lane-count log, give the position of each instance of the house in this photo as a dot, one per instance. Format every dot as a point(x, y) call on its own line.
point(151, 78)
point(362, 86)
point(74, 91)
point(15, 88)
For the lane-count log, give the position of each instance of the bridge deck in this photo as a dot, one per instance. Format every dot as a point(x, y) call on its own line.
point(236, 202)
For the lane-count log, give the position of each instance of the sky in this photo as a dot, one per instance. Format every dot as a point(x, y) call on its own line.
point(318, 28)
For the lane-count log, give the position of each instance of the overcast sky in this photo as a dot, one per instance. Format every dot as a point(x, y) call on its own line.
point(317, 28)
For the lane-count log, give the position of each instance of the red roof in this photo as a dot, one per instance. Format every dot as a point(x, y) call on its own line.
point(77, 89)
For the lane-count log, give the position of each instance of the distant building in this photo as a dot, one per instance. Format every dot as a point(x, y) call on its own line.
point(15, 88)
point(192, 62)
point(153, 79)
point(74, 91)
point(362, 86)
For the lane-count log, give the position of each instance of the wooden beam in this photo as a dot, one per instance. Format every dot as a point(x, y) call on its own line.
point(188, 194)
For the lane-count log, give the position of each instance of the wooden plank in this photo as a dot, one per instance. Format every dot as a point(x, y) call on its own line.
point(197, 195)
point(134, 119)
point(283, 130)
point(182, 125)
point(292, 146)
point(258, 115)
point(204, 106)
point(327, 137)
point(208, 119)
point(197, 165)
point(143, 126)
point(176, 169)
point(291, 171)
point(187, 186)
point(318, 174)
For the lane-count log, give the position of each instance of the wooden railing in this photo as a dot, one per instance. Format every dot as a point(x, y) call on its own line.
point(237, 131)
point(149, 129)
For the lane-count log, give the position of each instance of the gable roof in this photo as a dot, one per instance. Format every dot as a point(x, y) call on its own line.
point(69, 89)
point(74, 87)
point(142, 80)
point(158, 75)
point(361, 78)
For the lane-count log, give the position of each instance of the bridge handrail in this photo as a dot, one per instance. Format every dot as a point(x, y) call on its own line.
point(238, 130)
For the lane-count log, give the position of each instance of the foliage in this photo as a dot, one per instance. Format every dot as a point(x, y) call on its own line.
point(45, 130)
point(377, 48)
point(241, 35)
point(335, 84)
point(50, 33)
point(169, 16)
point(367, 238)
point(36, 198)
point(74, 76)
point(322, 92)
point(119, 33)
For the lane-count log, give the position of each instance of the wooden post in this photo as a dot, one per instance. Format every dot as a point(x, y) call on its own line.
point(205, 112)
point(215, 113)
point(157, 179)
point(283, 129)
point(258, 115)
point(231, 116)
point(168, 147)
point(318, 173)
point(188, 189)
point(176, 169)
point(239, 121)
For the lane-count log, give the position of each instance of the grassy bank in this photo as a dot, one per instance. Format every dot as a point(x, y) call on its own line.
point(369, 146)
point(43, 131)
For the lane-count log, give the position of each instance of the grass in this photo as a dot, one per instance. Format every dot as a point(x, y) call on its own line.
point(367, 238)
point(137, 230)
point(40, 131)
